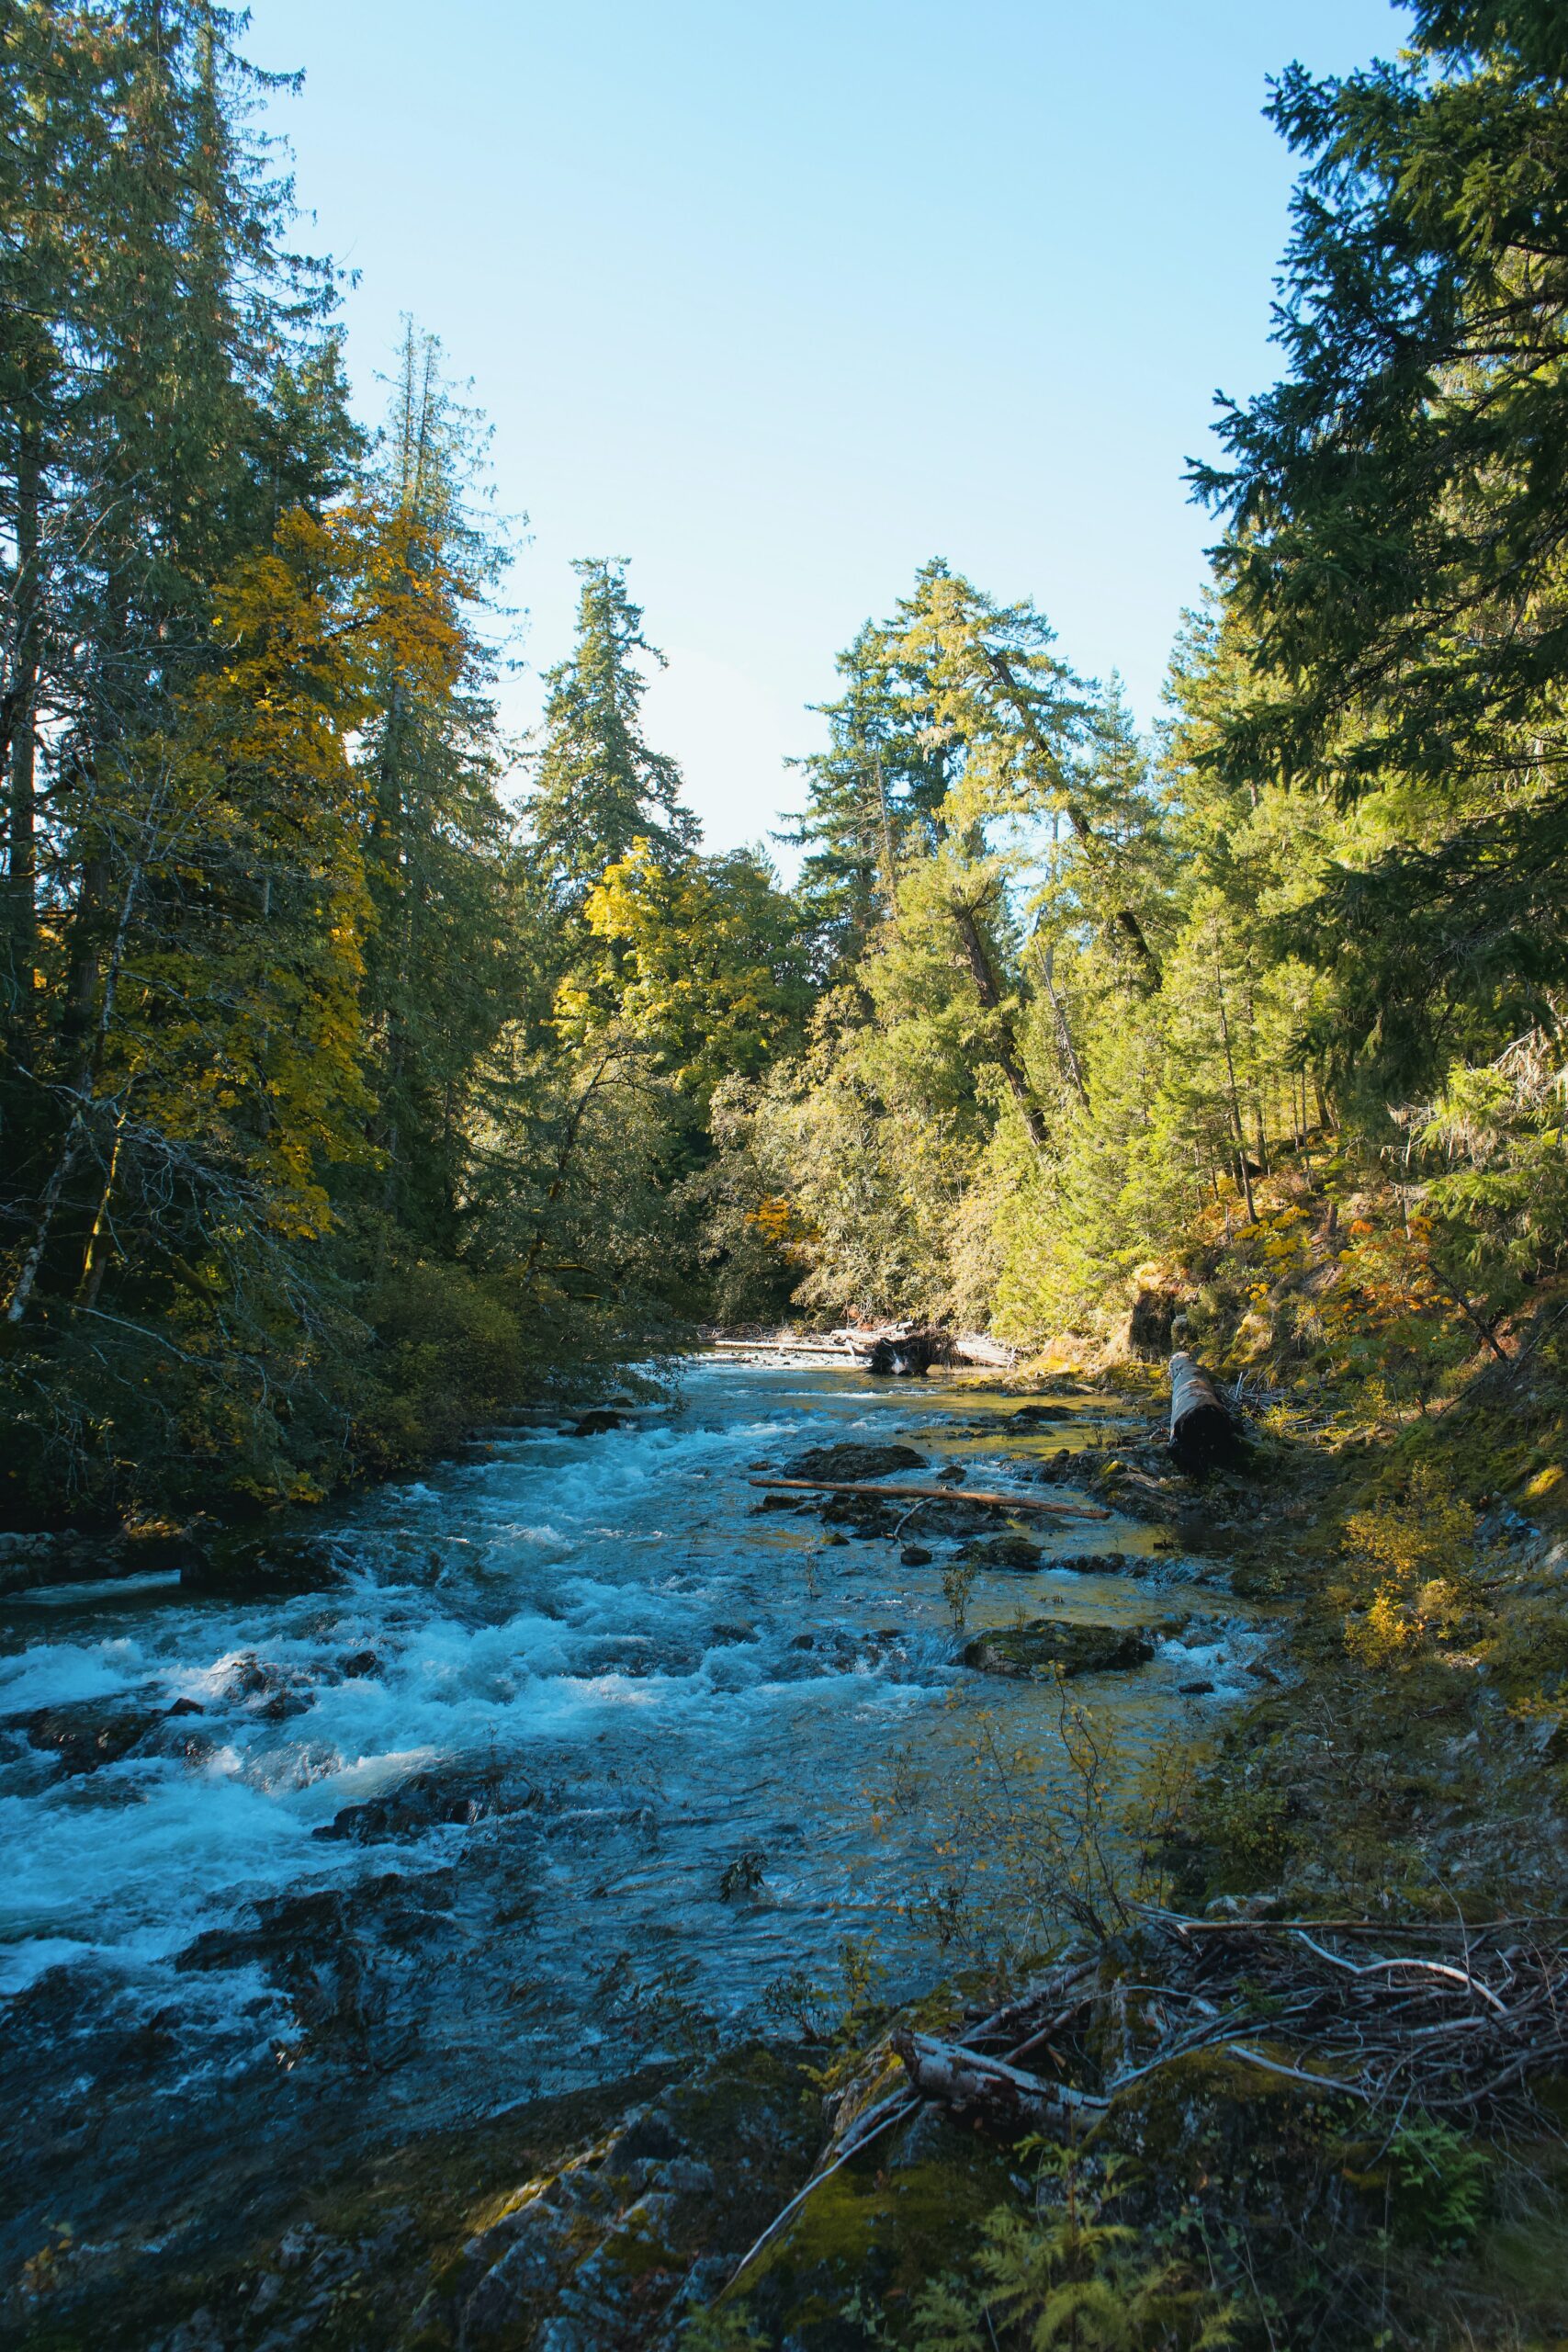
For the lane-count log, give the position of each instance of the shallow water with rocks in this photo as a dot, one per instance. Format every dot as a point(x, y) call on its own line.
point(584, 1762)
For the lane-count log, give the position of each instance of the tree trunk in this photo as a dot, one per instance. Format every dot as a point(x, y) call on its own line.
point(75, 1135)
point(21, 912)
point(1008, 1056)
point(1203, 1434)
point(1070, 1061)
point(1244, 1173)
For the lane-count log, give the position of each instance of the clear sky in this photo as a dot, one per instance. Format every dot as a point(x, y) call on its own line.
point(780, 301)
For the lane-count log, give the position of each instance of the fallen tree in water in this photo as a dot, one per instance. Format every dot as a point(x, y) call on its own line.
point(891, 1348)
point(1203, 1432)
point(930, 1494)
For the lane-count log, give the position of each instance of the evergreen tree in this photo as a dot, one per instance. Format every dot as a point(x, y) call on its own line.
point(1399, 525)
point(874, 797)
point(447, 955)
point(597, 785)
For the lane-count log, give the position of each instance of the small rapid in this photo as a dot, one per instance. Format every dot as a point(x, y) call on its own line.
point(584, 1761)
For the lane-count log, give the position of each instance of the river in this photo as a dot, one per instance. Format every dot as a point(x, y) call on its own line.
point(587, 1761)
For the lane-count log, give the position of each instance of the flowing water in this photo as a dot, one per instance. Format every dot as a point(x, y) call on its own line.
point(601, 1755)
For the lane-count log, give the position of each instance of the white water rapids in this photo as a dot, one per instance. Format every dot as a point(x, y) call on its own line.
point(630, 1680)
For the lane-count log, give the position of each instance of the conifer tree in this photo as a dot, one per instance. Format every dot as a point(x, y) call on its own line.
point(873, 799)
point(1398, 509)
point(447, 951)
point(598, 788)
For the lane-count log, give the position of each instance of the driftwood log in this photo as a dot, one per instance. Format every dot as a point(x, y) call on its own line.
point(971, 2082)
point(909, 1354)
point(1203, 1434)
point(900, 1349)
point(929, 1495)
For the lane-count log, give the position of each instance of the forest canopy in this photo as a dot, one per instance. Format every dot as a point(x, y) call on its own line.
point(362, 1069)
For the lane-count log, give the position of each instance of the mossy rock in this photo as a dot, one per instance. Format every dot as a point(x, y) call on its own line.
point(908, 2210)
point(1032, 1653)
point(1007, 1552)
point(851, 1462)
point(250, 1563)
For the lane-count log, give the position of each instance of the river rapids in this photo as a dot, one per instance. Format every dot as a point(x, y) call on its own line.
point(588, 1761)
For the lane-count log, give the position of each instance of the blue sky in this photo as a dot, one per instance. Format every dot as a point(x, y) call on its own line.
point(779, 301)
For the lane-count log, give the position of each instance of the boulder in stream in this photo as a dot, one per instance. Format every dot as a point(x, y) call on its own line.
point(852, 1462)
point(1007, 1552)
point(251, 1563)
point(425, 1801)
point(90, 1733)
point(1032, 1653)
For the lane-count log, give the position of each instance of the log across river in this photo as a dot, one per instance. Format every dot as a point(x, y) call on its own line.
point(580, 1765)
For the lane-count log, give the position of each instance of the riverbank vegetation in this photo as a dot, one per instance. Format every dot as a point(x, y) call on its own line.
point(364, 1072)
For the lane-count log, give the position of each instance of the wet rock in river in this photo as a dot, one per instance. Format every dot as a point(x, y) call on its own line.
point(428, 1801)
point(863, 1514)
point(1005, 1552)
point(282, 1689)
point(1028, 1417)
point(851, 1462)
point(289, 1937)
point(1034, 1652)
point(872, 1516)
point(90, 1733)
point(251, 1565)
point(78, 1556)
point(25, 1560)
point(915, 1556)
point(1094, 1564)
point(598, 1422)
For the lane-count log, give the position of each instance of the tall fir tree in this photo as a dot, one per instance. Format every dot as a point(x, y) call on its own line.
point(597, 785)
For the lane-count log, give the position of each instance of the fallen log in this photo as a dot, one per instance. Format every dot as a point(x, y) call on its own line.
point(786, 1348)
point(1203, 1434)
point(930, 1495)
point(969, 2081)
point(909, 1354)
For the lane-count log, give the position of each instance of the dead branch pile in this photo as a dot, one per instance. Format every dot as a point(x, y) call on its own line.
point(1462, 2023)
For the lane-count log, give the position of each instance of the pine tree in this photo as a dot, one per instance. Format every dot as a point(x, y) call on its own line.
point(597, 785)
point(446, 959)
point(1398, 508)
point(872, 800)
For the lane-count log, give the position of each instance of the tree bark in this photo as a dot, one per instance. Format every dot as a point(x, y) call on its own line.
point(1244, 1173)
point(1063, 1034)
point(1203, 1433)
point(1008, 1056)
point(22, 728)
